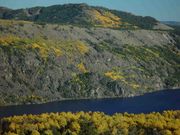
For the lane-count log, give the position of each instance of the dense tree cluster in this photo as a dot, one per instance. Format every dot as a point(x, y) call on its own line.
point(146, 22)
point(93, 123)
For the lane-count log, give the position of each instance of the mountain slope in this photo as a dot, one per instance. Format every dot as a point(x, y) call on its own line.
point(41, 63)
point(171, 23)
point(81, 15)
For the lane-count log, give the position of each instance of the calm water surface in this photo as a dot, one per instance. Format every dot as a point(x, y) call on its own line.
point(157, 102)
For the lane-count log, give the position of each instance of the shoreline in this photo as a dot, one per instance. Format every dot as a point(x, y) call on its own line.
point(99, 98)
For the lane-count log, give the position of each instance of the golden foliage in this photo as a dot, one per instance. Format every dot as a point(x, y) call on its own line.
point(114, 75)
point(8, 40)
point(46, 47)
point(119, 74)
point(83, 49)
point(82, 68)
point(35, 132)
point(106, 19)
point(167, 123)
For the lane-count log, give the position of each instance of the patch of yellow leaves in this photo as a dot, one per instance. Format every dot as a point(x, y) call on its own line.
point(8, 40)
point(114, 75)
point(166, 123)
point(83, 49)
point(45, 49)
point(82, 68)
point(106, 19)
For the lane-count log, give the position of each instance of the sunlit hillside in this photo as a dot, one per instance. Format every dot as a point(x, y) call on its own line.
point(47, 62)
point(92, 123)
point(81, 15)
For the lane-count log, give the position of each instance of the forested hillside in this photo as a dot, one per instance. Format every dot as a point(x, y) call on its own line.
point(81, 15)
point(92, 123)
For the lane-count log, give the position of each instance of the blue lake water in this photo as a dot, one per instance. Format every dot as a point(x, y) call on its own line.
point(152, 102)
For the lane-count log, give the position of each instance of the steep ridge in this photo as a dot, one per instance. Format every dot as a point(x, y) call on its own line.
point(81, 15)
point(49, 62)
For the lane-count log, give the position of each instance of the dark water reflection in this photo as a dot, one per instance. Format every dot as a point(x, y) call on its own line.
point(157, 101)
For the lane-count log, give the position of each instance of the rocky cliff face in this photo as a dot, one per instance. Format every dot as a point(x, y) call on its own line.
point(41, 63)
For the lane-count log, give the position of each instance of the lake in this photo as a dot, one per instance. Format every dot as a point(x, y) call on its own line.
point(152, 102)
